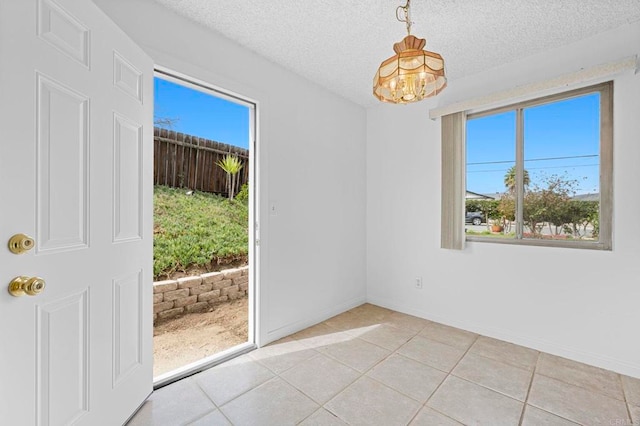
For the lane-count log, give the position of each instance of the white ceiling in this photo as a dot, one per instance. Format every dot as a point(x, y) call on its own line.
point(340, 44)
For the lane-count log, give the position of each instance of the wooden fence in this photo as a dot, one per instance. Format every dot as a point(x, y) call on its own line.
point(185, 161)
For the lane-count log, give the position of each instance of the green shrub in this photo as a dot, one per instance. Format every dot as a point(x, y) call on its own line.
point(243, 194)
point(196, 230)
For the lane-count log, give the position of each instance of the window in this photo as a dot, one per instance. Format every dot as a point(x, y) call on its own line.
point(538, 172)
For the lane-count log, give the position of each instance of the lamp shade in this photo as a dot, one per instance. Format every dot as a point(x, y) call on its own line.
point(411, 75)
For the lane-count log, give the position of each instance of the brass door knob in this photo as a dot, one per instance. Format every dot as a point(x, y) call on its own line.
point(31, 286)
point(21, 243)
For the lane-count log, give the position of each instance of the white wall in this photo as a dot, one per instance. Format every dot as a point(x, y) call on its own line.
point(580, 304)
point(311, 159)
point(576, 303)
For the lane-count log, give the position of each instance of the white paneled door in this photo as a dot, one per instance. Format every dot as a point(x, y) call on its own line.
point(76, 117)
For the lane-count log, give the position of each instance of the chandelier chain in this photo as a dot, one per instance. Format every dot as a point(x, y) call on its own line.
point(407, 15)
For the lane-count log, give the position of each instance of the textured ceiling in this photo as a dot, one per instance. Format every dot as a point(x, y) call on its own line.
point(340, 44)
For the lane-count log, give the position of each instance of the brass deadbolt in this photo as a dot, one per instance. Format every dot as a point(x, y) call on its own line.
point(30, 286)
point(21, 243)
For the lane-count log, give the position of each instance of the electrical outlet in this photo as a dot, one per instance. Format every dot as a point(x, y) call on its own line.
point(418, 282)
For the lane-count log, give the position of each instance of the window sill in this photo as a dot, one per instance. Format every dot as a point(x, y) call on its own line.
point(587, 245)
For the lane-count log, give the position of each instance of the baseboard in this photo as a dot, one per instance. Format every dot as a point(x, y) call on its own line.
point(308, 321)
point(596, 360)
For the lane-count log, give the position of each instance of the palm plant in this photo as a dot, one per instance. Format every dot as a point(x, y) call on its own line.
point(231, 164)
point(510, 179)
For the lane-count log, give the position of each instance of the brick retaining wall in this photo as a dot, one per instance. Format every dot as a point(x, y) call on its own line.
point(198, 293)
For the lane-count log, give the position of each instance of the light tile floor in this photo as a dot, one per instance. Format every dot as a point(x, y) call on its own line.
point(373, 366)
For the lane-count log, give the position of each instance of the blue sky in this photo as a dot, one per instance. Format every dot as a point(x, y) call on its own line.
point(200, 114)
point(560, 138)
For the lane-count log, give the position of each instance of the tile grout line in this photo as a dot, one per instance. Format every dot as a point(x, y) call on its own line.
point(312, 413)
point(351, 338)
point(396, 353)
point(417, 334)
point(276, 376)
point(420, 404)
point(242, 393)
point(380, 321)
point(503, 361)
point(447, 343)
point(256, 387)
point(535, 369)
point(512, 364)
point(567, 384)
point(347, 365)
point(321, 405)
point(497, 361)
point(526, 398)
point(289, 368)
point(382, 347)
point(203, 391)
point(489, 388)
point(486, 388)
point(422, 362)
point(598, 392)
point(392, 352)
point(190, 422)
point(449, 374)
point(626, 401)
point(210, 399)
point(507, 363)
point(595, 392)
point(363, 374)
point(441, 413)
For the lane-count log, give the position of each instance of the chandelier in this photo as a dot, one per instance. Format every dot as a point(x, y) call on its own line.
point(412, 74)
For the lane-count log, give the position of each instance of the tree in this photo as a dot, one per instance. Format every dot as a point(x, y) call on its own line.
point(507, 206)
point(165, 122)
point(579, 215)
point(231, 165)
point(510, 179)
point(552, 203)
point(534, 211)
point(506, 210)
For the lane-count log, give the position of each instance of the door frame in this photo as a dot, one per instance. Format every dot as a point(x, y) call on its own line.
point(254, 230)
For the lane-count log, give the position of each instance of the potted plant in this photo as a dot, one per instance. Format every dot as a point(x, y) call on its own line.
point(497, 225)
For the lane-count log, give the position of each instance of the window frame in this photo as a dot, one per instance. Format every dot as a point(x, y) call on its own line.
point(606, 167)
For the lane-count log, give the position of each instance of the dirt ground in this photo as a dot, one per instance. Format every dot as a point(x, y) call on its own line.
point(191, 337)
